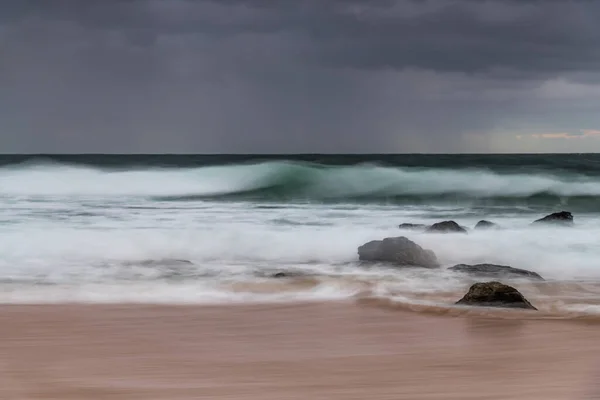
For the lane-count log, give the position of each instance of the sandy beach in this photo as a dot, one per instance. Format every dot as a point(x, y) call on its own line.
point(289, 351)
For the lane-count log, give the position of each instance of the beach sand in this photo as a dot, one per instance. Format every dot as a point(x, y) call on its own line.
point(289, 351)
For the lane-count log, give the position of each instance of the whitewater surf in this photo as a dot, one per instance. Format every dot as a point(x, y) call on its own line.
point(111, 228)
point(302, 181)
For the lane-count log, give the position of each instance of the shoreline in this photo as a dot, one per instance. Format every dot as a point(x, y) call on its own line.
point(328, 350)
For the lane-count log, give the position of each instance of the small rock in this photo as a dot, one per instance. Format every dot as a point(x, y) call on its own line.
point(412, 226)
point(483, 224)
point(160, 262)
point(560, 218)
point(288, 274)
point(397, 250)
point(493, 270)
point(446, 227)
point(495, 294)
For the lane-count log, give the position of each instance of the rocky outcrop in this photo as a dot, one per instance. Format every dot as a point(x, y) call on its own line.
point(483, 224)
point(558, 218)
point(410, 226)
point(399, 251)
point(446, 227)
point(495, 271)
point(495, 294)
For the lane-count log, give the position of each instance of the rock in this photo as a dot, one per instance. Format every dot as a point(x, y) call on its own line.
point(561, 218)
point(288, 274)
point(412, 226)
point(446, 227)
point(483, 224)
point(167, 262)
point(495, 294)
point(493, 270)
point(397, 250)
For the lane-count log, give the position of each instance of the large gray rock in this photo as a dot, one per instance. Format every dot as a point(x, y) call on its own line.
point(495, 294)
point(559, 218)
point(399, 251)
point(495, 271)
point(446, 227)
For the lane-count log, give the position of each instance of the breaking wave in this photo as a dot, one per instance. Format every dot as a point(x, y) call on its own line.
point(288, 181)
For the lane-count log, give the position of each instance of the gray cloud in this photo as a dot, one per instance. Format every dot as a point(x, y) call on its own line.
point(453, 35)
point(474, 37)
point(293, 76)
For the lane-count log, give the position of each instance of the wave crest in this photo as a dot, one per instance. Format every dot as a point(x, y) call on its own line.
point(299, 181)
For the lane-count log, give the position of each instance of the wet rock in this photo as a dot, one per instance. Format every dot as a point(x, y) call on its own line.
point(483, 224)
point(287, 274)
point(559, 218)
point(412, 226)
point(166, 262)
point(493, 270)
point(446, 227)
point(495, 294)
point(180, 261)
point(397, 250)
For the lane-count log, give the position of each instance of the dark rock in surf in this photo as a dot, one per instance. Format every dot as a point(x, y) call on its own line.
point(558, 218)
point(409, 226)
point(181, 261)
point(495, 294)
point(495, 271)
point(287, 274)
point(446, 227)
point(399, 251)
point(166, 262)
point(483, 224)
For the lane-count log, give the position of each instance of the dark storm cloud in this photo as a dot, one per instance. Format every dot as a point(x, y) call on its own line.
point(479, 37)
point(449, 35)
point(286, 75)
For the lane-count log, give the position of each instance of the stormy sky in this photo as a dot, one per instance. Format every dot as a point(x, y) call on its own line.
point(299, 76)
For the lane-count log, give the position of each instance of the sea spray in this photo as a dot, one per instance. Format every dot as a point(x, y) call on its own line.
point(75, 232)
point(292, 181)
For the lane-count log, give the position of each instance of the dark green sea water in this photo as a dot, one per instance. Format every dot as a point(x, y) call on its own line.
point(577, 163)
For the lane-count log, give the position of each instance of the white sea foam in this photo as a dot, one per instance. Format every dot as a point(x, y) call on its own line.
point(299, 179)
point(83, 234)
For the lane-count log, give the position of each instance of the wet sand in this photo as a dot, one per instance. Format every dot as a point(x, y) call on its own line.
point(290, 351)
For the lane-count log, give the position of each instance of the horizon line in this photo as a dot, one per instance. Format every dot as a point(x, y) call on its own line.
point(286, 154)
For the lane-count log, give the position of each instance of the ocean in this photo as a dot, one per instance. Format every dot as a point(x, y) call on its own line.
point(197, 229)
